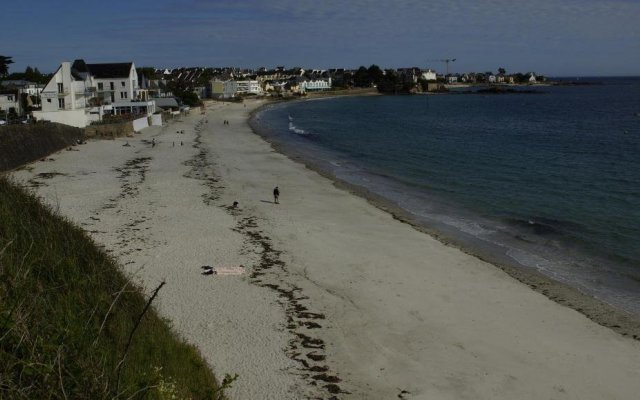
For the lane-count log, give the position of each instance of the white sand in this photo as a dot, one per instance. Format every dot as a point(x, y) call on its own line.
point(398, 314)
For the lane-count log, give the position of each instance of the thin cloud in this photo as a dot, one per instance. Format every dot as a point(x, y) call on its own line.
point(572, 36)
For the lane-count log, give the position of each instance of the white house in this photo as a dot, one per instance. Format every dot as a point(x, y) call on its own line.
point(491, 78)
point(532, 78)
point(275, 86)
point(312, 85)
point(80, 93)
point(9, 102)
point(429, 75)
point(248, 87)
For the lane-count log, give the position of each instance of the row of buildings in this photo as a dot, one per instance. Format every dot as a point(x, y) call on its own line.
point(81, 93)
point(232, 82)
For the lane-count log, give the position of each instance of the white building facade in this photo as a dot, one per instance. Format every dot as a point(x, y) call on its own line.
point(313, 85)
point(429, 75)
point(10, 102)
point(248, 87)
point(81, 93)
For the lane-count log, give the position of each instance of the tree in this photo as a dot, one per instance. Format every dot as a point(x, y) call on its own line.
point(206, 76)
point(185, 92)
point(521, 78)
point(4, 65)
point(29, 74)
point(148, 72)
point(347, 79)
point(392, 83)
point(361, 78)
point(375, 74)
point(502, 71)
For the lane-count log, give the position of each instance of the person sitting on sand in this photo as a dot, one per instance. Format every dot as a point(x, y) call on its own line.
point(276, 194)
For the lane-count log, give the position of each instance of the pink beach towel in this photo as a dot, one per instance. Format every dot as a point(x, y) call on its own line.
point(229, 270)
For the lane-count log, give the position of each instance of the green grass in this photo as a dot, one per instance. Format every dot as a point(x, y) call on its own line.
point(66, 315)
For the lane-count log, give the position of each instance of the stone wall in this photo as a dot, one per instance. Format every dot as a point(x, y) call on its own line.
point(23, 143)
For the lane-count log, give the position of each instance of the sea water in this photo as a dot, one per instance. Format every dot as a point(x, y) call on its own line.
point(547, 180)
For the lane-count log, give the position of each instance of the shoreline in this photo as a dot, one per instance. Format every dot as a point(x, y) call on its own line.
point(604, 314)
point(340, 299)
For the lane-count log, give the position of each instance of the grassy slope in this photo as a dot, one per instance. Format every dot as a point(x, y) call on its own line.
point(56, 287)
point(21, 144)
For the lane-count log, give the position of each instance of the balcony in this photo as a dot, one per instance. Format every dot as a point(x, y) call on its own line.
point(85, 91)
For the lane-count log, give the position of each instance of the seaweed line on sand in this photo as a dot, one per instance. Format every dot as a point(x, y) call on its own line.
point(307, 350)
point(130, 234)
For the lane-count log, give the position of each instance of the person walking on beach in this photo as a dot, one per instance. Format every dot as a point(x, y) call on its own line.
point(276, 194)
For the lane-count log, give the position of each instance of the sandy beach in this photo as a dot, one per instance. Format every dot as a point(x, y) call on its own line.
point(339, 299)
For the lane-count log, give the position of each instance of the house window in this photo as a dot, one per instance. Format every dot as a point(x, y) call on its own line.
point(122, 83)
point(123, 95)
point(113, 98)
point(111, 85)
point(9, 98)
point(60, 87)
point(61, 104)
point(100, 86)
point(48, 100)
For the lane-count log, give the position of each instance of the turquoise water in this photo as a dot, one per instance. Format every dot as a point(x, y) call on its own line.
point(549, 181)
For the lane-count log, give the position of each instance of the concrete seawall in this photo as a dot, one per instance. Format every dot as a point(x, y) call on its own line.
point(21, 144)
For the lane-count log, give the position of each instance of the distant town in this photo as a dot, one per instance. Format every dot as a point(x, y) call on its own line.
point(81, 93)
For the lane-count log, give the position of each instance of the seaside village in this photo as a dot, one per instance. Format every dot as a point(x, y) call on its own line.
point(81, 94)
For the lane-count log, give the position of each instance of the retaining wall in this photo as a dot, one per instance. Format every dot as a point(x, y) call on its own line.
point(21, 144)
point(140, 123)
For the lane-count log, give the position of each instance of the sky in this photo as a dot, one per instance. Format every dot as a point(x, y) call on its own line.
point(549, 37)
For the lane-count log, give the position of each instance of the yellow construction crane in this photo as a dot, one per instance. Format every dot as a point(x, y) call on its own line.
point(446, 61)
